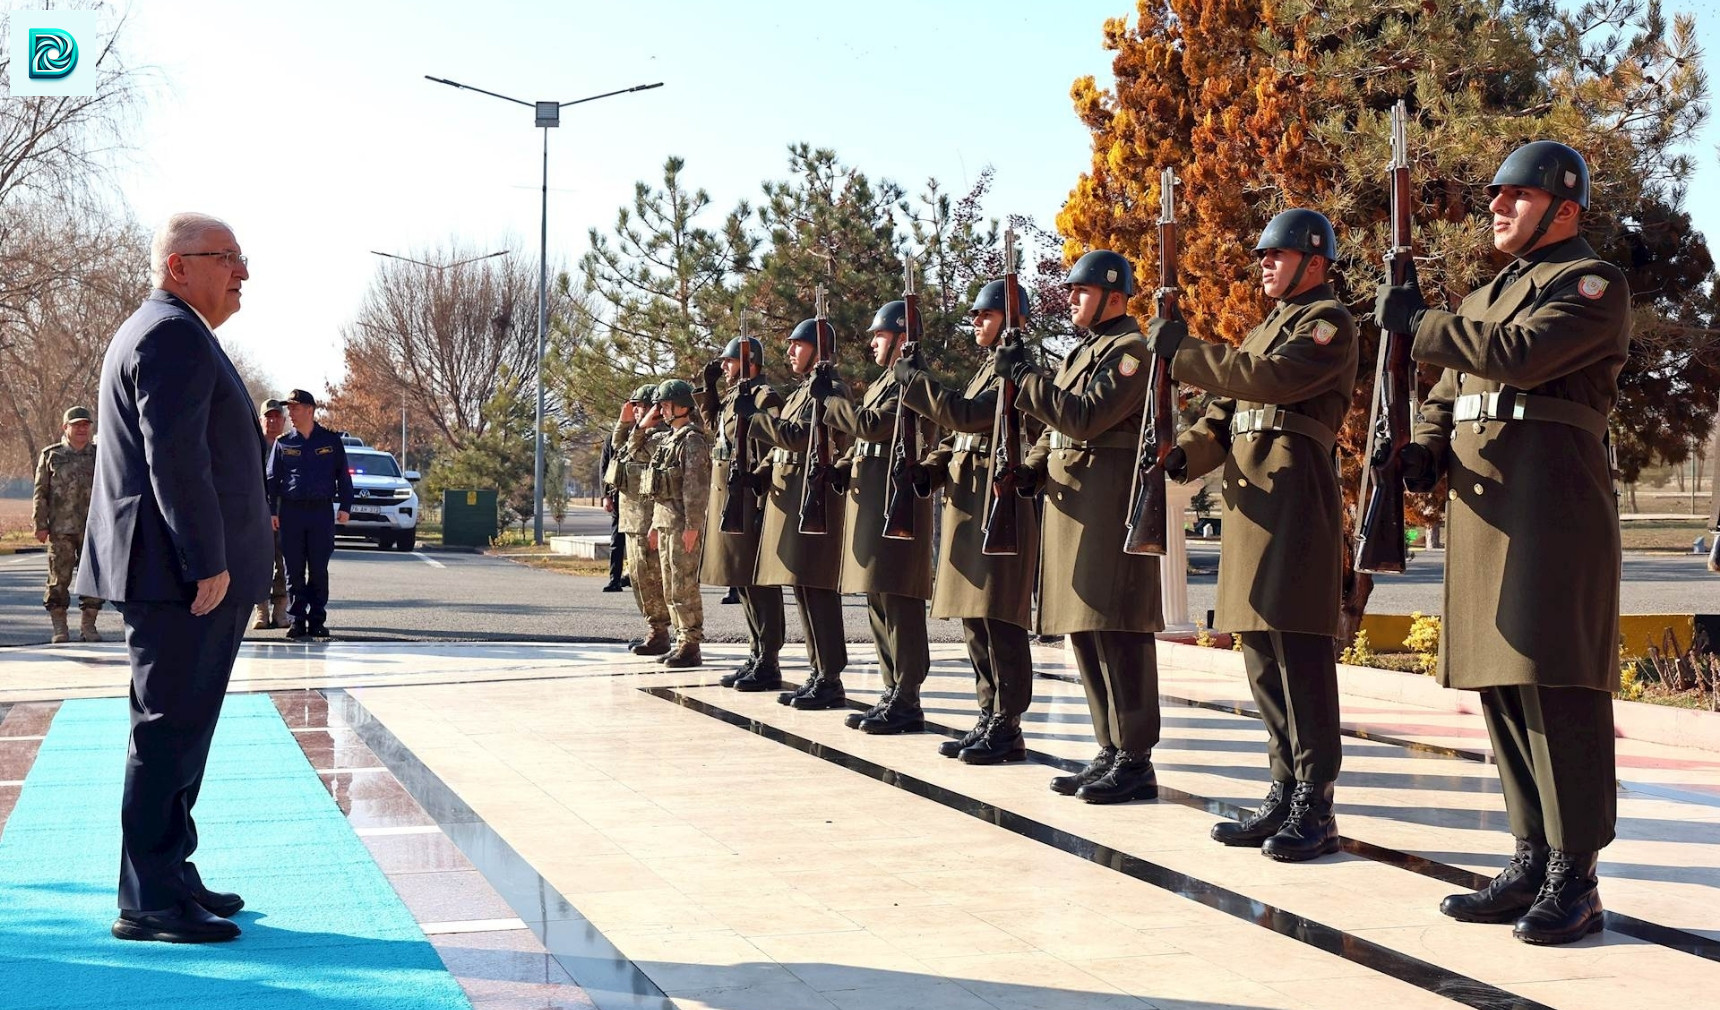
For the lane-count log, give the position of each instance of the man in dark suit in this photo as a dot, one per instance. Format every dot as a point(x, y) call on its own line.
point(179, 540)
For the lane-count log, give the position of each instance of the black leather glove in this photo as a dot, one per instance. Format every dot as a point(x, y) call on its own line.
point(1419, 472)
point(745, 406)
point(1398, 307)
point(1012, 360)
point(906, 369)
point(1026, 480)
point(838, 479)
point(1164, 336)
point(758, 482)
point(823, 381)
point(713, 372)
point(1176, 464)
point(918, 477)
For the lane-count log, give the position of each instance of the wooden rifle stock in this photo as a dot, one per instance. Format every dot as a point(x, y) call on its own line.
point(905, 439)
point(1148, 525)
point(1001, 535)
point(815, 475)
point(1380, 544)
point(737, 479)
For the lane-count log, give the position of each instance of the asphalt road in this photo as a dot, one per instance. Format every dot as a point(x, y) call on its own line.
point(450, 596)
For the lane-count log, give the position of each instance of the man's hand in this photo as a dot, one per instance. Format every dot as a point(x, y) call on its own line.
point(1026, 480)
point(838, 479)
point(1398, 307)
point(210, 593)
point(41, 536)
point(1176, 464)
point(823, 381)
point(905, 370)
point(1012, 361)
point(275, 523)
point(629, 412)
point(652, 417)
point(651, 539)
point(745, 407)
point(712, 372)
point(689, 540)
point(1164, 336)
point(341, 517)
point(609, 504)
point(1419, 474)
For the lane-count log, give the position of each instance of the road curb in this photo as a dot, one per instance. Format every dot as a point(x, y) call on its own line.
point(24, 549)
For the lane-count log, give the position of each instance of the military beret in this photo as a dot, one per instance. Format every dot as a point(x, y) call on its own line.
point(78, 414)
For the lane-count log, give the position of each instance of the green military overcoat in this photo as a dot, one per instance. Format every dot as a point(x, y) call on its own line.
point(874, 563)
point(1282, 564)
point(787, 557)
point(1532, 564)
point(731, 559)
point(1086, 582)
point(971, 583)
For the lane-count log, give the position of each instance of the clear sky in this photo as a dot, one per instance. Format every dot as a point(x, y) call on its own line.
point(309, 126)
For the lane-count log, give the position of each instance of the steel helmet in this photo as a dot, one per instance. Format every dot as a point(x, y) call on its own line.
point(1105, 269)
point(990, 299)
point(1548, 165)
point(1300, 230)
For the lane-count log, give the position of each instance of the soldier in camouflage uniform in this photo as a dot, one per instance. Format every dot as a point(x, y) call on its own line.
point(628, 468)
point(679, 485)
point(273, 418)
point(65, 472)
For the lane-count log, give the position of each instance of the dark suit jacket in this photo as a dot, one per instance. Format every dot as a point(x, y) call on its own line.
point(178, 491)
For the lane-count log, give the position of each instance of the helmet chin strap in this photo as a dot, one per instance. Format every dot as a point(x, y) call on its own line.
point(1541, 227)
point(1296, 278)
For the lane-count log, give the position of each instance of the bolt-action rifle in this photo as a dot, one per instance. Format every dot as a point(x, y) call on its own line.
point(740, 469)
point(905, 439)
point(1147, 530)
point(1001, 535)
point(813, 504)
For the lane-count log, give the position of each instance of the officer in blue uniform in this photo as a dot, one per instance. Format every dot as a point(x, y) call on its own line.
point(307, 476)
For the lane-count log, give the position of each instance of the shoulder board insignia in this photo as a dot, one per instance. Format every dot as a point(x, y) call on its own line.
point(1324, 332)
point(1129, 365)
point(1592, 286)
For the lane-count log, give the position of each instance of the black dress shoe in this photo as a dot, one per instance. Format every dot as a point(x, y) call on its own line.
point(225, 904)
point(299, 629)
point(854, 719)
point(1069, 785)
point(1508, 895)
point(1568, 906)
point(951, 748)
point(1130, 777)
point(1263, 823)
point(764, 676)
point(732, 596)
point(787, 697)
point(1309, 830)
point(319, 631)
point(187, 922)
point(1001, 743)
point(734, 676)
point(826, 692)
point(900, 716)
point(613, 586)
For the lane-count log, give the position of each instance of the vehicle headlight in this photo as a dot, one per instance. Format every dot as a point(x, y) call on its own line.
point(402, 493)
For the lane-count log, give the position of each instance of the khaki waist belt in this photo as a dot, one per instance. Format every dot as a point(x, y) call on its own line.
point(863, 447)
point(783, 456)
point(1109, 440)
point(972, 442)
point(1274, 418)
point(1513, 406)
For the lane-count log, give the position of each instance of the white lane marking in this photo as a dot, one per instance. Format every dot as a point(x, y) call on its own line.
point(421, 556)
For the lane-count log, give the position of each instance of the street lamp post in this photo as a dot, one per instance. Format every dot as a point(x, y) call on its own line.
point(548, 114)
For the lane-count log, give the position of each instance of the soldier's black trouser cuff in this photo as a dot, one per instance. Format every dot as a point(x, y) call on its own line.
point(1002, 659)
point(821, 620)
point(1294, 679)
point(763, 607)
point(899, 634)
point(1554, 748)
point(1120, 673)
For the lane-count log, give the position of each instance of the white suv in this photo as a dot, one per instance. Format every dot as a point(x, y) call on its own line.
point(384, 505)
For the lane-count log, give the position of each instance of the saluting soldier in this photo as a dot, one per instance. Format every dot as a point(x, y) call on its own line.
point(680, 488)
point(992, 594)
point(1517, 425)
point(65, 475)
point(1282, 394)
point(732, 558)
point(1106, 601)
point(810, 564)
point(895, 575)
point(627, 475)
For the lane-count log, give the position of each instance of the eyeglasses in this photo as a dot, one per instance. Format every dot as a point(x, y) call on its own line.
point(228, 257)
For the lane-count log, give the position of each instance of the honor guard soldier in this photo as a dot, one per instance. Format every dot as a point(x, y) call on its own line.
point(992, 594)
point(679, 486)
point(272, 417)
point(1105, 600)
point(895, 575)
point(1517, 425)
point(308, 481)
point(65, 473)
point(1283, 394)
point(627, 475)
point(810, 564)
point(732, 558)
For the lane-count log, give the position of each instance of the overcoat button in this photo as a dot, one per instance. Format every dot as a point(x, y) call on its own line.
point(1242, 482)
point(1452, 494)
point(1478, 489)
point(1480, 427)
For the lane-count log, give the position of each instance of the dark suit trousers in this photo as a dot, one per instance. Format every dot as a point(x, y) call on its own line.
point(821, 622)
point(763, 606)
point(617, 545)
point(180, 665)
point(899, 634)
point(1554, 748)
point(1295, 682)
point(1120, 673)
point(307, 544)
point(1002, 665)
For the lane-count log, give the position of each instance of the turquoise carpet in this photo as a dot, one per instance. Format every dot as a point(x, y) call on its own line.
point(322, 927)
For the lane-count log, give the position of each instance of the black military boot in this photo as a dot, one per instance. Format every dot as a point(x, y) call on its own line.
point(1507, 896)
point(787, 697)
point(656, 645)
point(826, 692)
point(1260, 825)
point(1069, 785)
point(299, 629)
point(1002, 742)
point(685, 657)
point(1310, 830)
point(1568, 906)
point(739, 673)
point(765, 675)
point(902, 715)
point(951, 748)
point(856, 718)
point(1130, 777)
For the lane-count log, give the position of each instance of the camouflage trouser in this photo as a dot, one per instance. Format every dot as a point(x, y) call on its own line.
point(64, 549)
point(681, 584)
point(647, 576)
